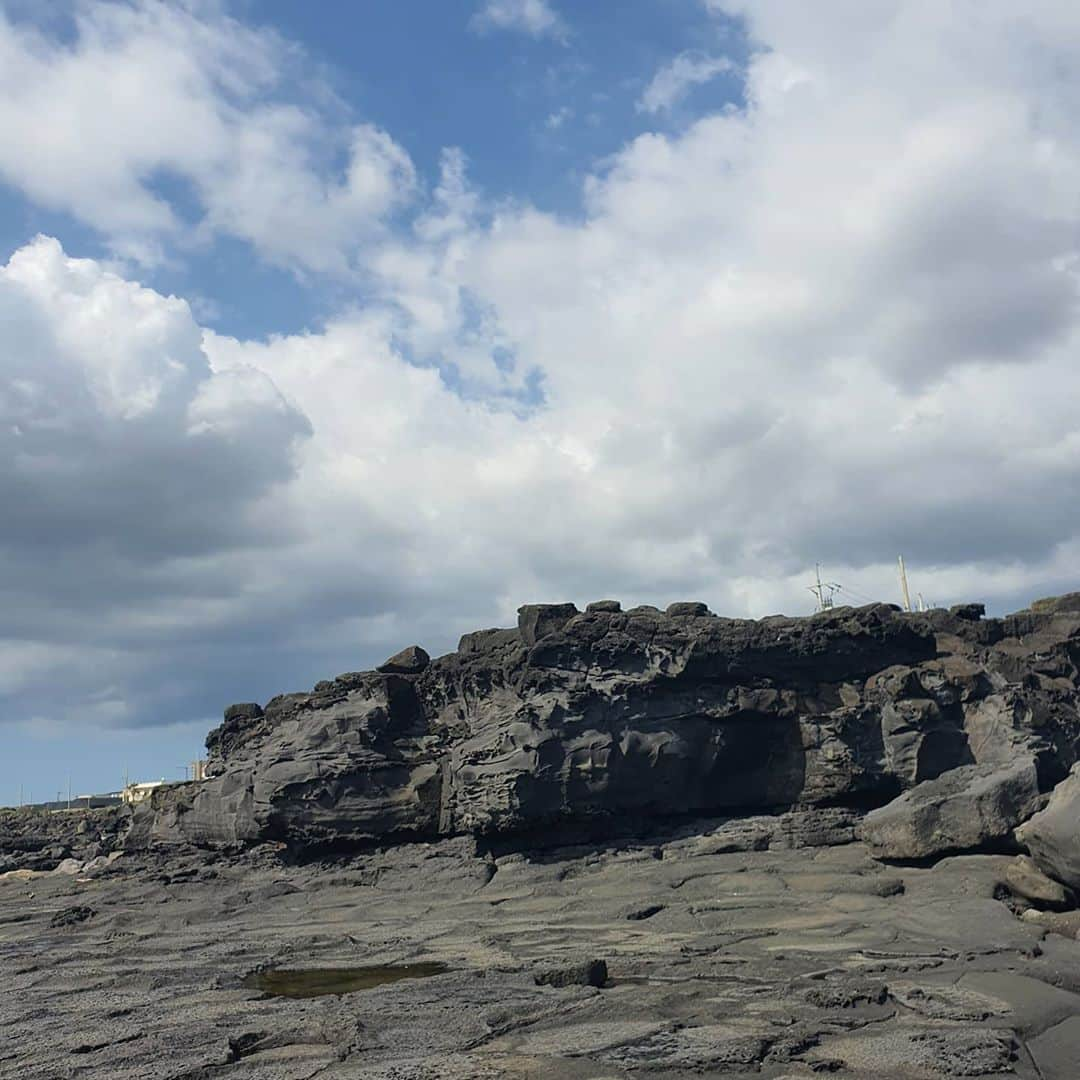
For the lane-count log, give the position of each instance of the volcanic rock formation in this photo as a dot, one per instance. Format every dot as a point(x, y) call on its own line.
point(603, 715)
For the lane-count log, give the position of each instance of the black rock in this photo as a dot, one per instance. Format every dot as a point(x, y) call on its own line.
point(72, 916)
point(410, 661)
point(536, 621)
point(685, 608)
point(247, 710)
point(587, 973)
point(968, 612)
point(593, 719)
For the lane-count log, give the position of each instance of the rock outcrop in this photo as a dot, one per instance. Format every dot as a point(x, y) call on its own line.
point(604, 715)
point(41, 841)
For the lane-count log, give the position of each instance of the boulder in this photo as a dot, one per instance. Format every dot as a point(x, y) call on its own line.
point(1028, 882)
point(971, 808)
point(968, 612)
point(410, 661)
point(536, 621)
point(1053, 835)
point(684, 608)
point(611, 607)
point(247, 710)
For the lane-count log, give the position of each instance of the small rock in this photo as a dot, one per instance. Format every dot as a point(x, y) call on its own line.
point(246, 710)
point(968, 612)
point(647, 912)
point(587, 973)
point(1065, 923)
point(686, 607)
point(1025, 879)
point(410, 661)
point(72, 916)
point(612, 606)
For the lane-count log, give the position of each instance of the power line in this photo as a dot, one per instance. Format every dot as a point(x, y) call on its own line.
point(823, 590)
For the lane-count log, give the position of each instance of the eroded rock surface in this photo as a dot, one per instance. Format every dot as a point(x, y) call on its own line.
point(590, 716)
point(624, 844)
point(759, 959)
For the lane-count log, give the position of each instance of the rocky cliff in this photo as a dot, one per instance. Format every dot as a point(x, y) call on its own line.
point(605, 715)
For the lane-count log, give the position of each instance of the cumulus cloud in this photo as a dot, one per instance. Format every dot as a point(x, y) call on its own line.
point(127, 463)
point(675, 79)
point(149, 92)
point(537, 18)
point(836, 324)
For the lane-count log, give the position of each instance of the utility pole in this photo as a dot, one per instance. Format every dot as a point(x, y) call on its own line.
point(903, 584)
point(823, 590)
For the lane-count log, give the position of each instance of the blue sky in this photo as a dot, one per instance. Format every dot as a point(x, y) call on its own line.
point(334, 327)
point(535, 115)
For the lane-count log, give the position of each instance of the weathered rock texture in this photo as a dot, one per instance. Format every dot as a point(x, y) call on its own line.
point(35, 840)
point(969, 808)
point(604, 714)
point(1054, 835)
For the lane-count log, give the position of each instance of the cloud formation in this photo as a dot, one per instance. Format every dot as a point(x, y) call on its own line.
point(537, 18)
point(674, 80)
point(149, 93)
point(135, 472)
point(836, 324)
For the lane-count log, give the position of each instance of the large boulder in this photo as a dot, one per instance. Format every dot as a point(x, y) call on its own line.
point(410, 661)
point(1053, 835)
point(972, 808)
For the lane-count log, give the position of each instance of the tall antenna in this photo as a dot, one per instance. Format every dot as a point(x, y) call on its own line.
point(823, 590)
point(903, 584)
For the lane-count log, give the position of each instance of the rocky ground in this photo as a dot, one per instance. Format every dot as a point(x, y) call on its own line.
point(625, 844)
point(728, 952)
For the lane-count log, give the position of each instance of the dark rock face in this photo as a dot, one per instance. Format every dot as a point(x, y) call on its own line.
point(606, 715)
point(35, 840)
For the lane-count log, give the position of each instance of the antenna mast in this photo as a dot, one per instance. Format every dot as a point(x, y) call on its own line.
point(903, 584)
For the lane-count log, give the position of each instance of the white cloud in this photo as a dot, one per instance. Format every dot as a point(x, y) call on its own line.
point(150, 90)
point(537, 18)
point(130, 461)
point(837, 325)
point(674, 80)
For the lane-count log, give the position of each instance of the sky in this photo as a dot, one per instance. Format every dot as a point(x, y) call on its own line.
point(331, 328)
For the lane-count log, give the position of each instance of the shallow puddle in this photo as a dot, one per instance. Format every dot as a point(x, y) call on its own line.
point(315, 982)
